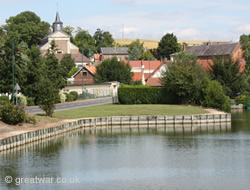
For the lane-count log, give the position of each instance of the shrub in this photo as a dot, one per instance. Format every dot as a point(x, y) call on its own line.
point(30, 101)
point(74, 94)
point(62, 97)
point(71, 98)
point(214, 97)
point(12, 114)
point(30, 119)
point(243, 99)
point(67, 96)
point(4, 98)
point(144, 95)
point(22, 100)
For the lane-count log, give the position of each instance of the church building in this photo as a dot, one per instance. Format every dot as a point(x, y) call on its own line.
point(63, 44)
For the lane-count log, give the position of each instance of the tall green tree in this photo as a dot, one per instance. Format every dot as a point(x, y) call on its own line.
point(67, 63)
point(33, 72)
point(183, 78)
point(6, 67)
point(227, 72)
point(113, 70)
point(69, 30)
point(47, 95)
point(135, 49)
point(103, 39)
point(2, 36)
point(85, 41)
point(147, 56)
point(168, 45)
point(27, 26)
point(54, 69)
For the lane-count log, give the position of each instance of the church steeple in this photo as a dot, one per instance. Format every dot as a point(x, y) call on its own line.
point(57, 25)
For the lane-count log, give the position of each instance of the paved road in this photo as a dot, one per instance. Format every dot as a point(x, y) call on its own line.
point(72, 105)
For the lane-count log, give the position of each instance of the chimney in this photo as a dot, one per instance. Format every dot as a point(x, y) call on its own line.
point(143, 77)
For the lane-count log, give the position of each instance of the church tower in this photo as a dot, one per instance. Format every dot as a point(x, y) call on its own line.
point(57, 25)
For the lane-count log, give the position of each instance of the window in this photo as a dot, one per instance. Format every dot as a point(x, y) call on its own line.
point(85, 73)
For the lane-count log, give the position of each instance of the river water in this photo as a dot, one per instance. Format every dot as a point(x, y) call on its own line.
point(209, 157)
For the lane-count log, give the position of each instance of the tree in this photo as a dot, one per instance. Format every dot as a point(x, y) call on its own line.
point(33, 72)
point(103, 39)
point(6, 67)
point(147, 56)
point(2, 36)
point(47, 95)
point(183, 78)
point(214, 96)
point(27, 26)
point(53, 69)
point(227, 72)
point(113, 70)
point(168, 45)
point(69, 30)
point(135, 49)
point(85, 41)
point(67, 63)
point(134, 54)
point(73, 71)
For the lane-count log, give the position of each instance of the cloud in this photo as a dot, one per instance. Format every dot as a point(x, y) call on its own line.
point(201, 20)
point(245, 28)
point(186, 33)
point(130, 29)
point(128, 3)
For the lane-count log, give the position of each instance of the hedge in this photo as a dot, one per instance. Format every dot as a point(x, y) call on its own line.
point(144, 95)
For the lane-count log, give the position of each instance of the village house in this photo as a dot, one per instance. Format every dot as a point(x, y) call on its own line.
point(208, 51)
point(149, 72)
point(121, 53)
point(86, 73)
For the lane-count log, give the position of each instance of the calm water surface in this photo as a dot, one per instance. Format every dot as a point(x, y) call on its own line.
point(209, 157)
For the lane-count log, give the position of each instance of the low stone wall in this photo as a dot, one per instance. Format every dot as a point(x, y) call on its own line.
point(112, 122)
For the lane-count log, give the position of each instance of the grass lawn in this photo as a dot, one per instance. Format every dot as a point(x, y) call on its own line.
point(128, 110)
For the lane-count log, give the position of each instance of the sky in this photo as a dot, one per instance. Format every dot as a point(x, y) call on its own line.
point(144, 19)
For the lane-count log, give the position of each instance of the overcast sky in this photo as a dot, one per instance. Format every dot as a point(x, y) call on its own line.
point(187, 19)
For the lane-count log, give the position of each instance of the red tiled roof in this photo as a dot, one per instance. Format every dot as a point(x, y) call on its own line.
point(91, 68)
point(154, 82)
point(153, 64)
point(138, 76)
point(97, 56)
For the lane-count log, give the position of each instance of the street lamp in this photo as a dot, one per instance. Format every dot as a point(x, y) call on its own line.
point(13, 66)
point(83, 97)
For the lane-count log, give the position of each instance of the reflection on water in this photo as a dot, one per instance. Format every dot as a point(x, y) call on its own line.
point(190, 157)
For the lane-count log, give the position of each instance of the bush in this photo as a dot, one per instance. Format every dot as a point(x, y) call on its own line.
point(22, 100)
point(214, 97)
point(4, 98)
point(12, 114)
point(74, 94)
point(71, 98)
point(67, 96)
point(144, 95)
point(30, 101)
point(62, 97)
point(243, 99)
point(31, 119)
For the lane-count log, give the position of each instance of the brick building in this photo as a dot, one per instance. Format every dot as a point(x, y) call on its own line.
point(119, 52)
point(208, 51)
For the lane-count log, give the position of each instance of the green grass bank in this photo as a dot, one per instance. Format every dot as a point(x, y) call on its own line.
point(128, 110)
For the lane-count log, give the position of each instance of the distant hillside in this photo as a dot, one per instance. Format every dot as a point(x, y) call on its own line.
point(151, 43)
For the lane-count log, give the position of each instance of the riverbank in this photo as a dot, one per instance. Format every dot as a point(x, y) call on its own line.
point(63, 117)
point(105, 116)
